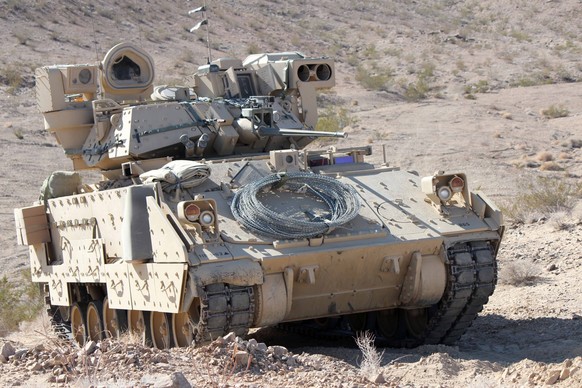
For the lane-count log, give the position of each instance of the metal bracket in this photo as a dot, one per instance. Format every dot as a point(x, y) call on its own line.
point(411, 285)
point(391, 264)
point(307, 274)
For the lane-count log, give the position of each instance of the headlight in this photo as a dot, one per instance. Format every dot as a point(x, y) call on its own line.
point(440, 189)
point(197, 212)
point(192, 212)
point(444, 193)
point(457, 184)
point(207, 218)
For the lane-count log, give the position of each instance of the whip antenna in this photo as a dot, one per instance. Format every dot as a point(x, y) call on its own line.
point(91, 10)
point(204, 22)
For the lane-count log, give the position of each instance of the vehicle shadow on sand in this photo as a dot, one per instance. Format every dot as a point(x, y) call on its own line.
point(494, 337)
point(491, 338)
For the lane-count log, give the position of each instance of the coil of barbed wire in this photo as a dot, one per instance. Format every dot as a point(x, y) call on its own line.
point(342, 201)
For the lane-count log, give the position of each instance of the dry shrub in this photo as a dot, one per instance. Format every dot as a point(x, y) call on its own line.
point(545, 156)
point(521, 147)
point(374, 78)
point(551, 166)
point(20, 300)
point(564, 156)
point(506, 115)
point(370, 367)
point(518, 163)
point(542, 198)
point(525, 161)
point(130, 337)
point(12, 77)
point(22, 36)
point(576, 143)
point(519, 274)
point(18, 133)
point(559, 220)
point(334, 119)
point(555, 111)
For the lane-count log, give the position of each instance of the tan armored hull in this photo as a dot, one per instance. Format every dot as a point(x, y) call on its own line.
point(211, 219)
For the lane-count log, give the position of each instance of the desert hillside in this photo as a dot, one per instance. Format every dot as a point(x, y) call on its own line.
point(489, 88)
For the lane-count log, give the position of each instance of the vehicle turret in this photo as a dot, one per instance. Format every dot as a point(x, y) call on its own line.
point(109, 113)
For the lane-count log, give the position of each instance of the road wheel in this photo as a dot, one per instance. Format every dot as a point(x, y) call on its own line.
point(160, 330)
point(95, 321)
point(416, 321)
point(78, 323)
point(387, 322)
point(358, 322)
point(114, 320)
point(139, 325)
point(183, 324)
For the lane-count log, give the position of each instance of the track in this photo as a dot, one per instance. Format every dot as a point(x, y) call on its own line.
point(61, 325)
point(224, 308)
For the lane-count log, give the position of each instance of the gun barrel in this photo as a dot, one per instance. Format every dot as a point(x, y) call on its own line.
point(265, 131)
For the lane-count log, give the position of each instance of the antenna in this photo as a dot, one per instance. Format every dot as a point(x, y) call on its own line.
point(204, 22)
point(91, 10)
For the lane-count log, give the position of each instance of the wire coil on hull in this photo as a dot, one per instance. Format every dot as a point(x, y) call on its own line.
point(342, 201)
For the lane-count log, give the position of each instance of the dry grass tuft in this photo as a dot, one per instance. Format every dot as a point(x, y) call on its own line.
point(555, 111)
point(542, 198)
point(519, 274)
point(22, 36)
point(559, 220)
point(20, 300)
point(551, 166)
point(370, 367)
point(545, 156)
point(374, 77)
point(12, 77)
point(525, 162)
point(130, 337)
point(335, 119)
point(518, 163)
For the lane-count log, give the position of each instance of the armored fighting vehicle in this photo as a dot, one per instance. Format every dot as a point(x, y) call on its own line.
point(211, 216)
